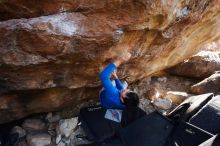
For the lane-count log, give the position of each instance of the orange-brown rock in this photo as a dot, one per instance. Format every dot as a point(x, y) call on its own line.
point(19, 104)
point(169, 88)
point(12, 9)
point(69, 49)
point(15, 9)
point(176, 97)
point(161, 91)
point(208, 85)
point(201, 65)
point(212, 46)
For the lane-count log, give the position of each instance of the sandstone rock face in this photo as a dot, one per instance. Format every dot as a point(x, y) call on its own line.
point(208, 85)
point(160, 92)
point(10, 9)
point(20, 104)
point(53, 58)
point(176, 97)
point(213, 46)
point(201, 65)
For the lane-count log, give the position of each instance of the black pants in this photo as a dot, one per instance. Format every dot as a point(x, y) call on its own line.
point(131, 114)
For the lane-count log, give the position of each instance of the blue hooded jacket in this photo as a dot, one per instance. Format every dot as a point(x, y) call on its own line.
point(110, 96)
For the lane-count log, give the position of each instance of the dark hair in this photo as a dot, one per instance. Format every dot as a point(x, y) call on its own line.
point(132, 99)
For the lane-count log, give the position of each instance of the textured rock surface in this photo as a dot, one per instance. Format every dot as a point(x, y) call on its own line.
point(69, 50)
point(10, 9)
point(21, 132)
point(213, 46)
point(55, 59)
point(65, 128)
point(52, 118)
point(164, 104)
point(163, 90)
point(201, 65)
point(176, 97)
point(33, 125)
point(208, 85)
point(39, 139)
point(20, 104)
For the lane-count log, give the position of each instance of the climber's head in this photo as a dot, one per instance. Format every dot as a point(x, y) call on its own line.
point(129, 98)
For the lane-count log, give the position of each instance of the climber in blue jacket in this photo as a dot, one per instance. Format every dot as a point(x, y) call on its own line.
point(116, 97)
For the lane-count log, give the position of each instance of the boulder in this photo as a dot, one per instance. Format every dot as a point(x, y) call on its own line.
point(61, 143)
point(52, 58)
point(153, 93)
point(201, 65)
point(170, 89)
point(208, 85)
point(21, 143)
point(81, 48)
point(163, 99)
point(52, 118)
point(39, 139)
point(20, 131)
point(167, 87)
point(35, 101)
point(28, 9)
point(176, 97)
point(162, 103)
point(65, 128)
point(34, 125)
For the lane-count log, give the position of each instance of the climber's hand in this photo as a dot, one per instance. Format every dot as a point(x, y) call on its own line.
point(123, 57)
point(114, 75)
